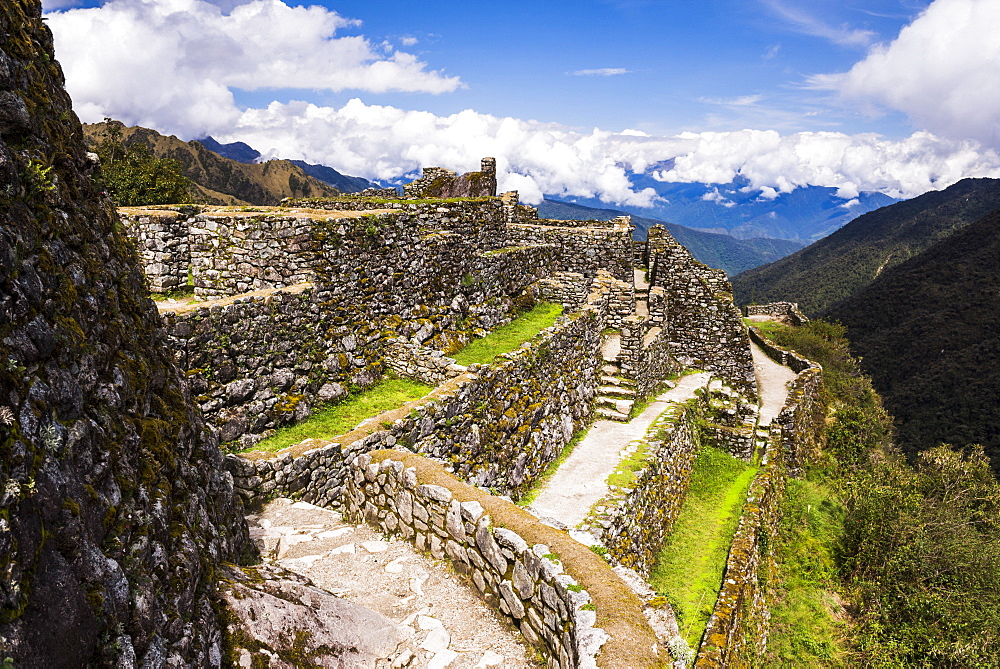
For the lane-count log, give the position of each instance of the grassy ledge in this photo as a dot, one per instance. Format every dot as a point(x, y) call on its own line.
point(808, 621)
point(689, 568)
point(339, 418)
point(510, 336)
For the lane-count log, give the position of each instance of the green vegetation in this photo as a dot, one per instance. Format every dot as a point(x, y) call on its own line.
point(133, 176)
point(913, 549)
point(808, 625)
point(837, 266)
point(624, 474)
point(510, 336)
point(928, 332)
point(689, 568)
point(344, 416)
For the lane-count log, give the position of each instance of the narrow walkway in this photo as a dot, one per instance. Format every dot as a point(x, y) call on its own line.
point(581, 481)
point(772, 384)
point(440, 618)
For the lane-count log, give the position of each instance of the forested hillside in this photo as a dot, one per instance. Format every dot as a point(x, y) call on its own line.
point(832, 269)
point(928, 332)
point(219, 180)
point(715, 250)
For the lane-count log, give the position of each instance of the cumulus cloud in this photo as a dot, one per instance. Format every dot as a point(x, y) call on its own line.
point(382, 142)
point(173, 63)
point(600, 72)
point(941, 71)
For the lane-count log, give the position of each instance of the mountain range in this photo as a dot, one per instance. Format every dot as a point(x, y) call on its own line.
point(834, 268)
point(220, 180)
point(244, 153)
point(915, 284)
point(715, 250)
point(807, 213)
point(928, 332)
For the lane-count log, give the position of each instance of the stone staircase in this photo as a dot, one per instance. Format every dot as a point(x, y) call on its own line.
point(616, 394)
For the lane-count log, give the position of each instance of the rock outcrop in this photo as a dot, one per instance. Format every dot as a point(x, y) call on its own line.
point(114, 510)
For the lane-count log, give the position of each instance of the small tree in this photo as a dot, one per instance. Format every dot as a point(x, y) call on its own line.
point(133, 176)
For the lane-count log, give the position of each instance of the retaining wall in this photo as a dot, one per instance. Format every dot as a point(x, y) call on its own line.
point(784, 310)
point(518, 565)
point(736, 634)
point(582, 246)
point(499, 425)
point(634, 523)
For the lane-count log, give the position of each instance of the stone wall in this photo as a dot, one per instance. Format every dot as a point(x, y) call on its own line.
point(646, 354)
point(729, 421)
point(438, 182)
point(419, 363)
point(164, 246)
point(569, 289)
point(736, 634)
point(788, 311)
point(527, 582)
point(262, 361)
point(499, 425)
point(114, 511)
point(706, 328)
point(582, 246)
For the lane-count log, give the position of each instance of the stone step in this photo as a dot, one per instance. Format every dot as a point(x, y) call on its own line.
point(622, 406)
point(610, 370)
point(611, 414)
point(617, 391)
point(611, 380)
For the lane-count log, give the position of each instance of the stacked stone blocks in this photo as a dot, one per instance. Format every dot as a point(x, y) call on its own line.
point(527, 584)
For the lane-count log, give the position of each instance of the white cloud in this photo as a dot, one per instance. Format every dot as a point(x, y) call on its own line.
point(532, 157)
point(718, 198)
point(408, 40)
point(600, 72)
point(172, 63)
point(941, 71)
point(742, 101)
point(808, 24)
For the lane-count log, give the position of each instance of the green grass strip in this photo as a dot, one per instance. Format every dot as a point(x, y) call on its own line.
point(510, 336)
point(689, 568)
point(808, 621)
point(344, 416)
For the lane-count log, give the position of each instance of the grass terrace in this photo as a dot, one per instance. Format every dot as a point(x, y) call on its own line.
point(510, 336)
point(690, 566)
point(345, 415)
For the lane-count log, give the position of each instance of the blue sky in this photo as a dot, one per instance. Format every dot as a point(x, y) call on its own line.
point(695, 66)
point(889, 95)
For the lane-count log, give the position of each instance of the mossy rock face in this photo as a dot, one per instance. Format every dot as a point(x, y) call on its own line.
point(107, 465)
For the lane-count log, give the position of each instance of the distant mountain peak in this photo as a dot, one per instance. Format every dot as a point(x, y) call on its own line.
point(238, 151)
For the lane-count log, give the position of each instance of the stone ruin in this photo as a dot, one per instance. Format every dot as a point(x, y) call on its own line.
point(121, 520)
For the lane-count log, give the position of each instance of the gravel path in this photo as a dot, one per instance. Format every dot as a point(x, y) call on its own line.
point(581, 480)
point(443, 620)
point(772, 384)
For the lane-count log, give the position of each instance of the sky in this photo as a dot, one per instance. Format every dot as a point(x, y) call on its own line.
point(896, 96)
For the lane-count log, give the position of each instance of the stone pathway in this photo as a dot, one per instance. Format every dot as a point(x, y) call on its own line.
point(772, 384)
point(442, 620)
point(581, 481)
